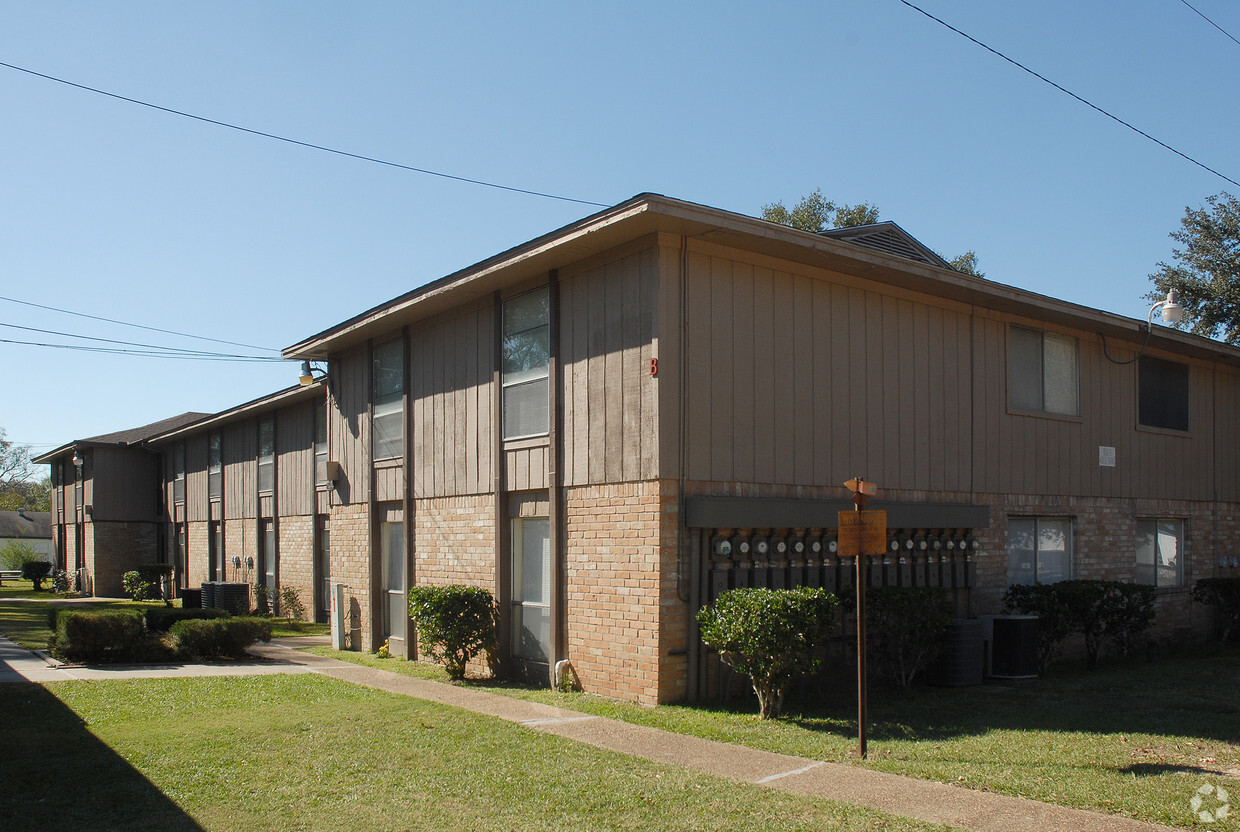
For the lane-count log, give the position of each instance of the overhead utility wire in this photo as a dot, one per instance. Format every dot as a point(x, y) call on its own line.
point(138, 326)
point(1211, 22)
point(299, 143)
point(162, 349)
point(142, 353)
point(1092, 106)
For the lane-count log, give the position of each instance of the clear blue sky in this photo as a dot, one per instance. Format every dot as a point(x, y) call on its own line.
point(124, 212)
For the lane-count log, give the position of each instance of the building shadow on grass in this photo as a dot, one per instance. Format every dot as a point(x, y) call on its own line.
point(56, 776)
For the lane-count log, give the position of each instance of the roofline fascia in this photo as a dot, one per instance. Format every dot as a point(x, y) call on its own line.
point(272, 401)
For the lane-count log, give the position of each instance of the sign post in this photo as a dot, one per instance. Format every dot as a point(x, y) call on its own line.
point(861, 533)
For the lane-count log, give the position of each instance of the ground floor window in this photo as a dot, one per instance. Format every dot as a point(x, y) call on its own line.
point(395, 604)
point(322, 557)
point(215, 551)
point(1039, 550)
point(1160, 547)
point(268, 556)
point(531, 588)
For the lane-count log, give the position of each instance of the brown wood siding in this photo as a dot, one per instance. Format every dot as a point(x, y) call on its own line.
point(610, 399)
point(350, 424)
point(798, 377)
point(239, 454)
point(1034, 454)
point(196, 507)
point(526, 468)
point(295, 459)
point(1227, 432)
point(122, 484)
point(389, 482)
point(450, 403)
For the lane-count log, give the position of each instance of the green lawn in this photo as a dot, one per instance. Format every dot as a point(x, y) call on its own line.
point(313, 753)
point(1132, 738)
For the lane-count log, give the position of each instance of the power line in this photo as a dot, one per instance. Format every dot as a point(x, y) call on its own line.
point(299, 143)
point(142, 353)
point(138, 326)
point(160, 348)
point(1211, 22)
point(1091, 105)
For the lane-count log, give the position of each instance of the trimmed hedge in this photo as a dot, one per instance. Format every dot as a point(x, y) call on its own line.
point(99, 636)
point(36, 571)
point(161, 619)
point(218, 638)
point(907, 629)
point(455, 623)
point(1103, 612)
point(1223, 593)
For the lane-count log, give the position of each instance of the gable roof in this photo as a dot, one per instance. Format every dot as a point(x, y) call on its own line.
point(133, 436)
point(846, 253)
point(26, 524)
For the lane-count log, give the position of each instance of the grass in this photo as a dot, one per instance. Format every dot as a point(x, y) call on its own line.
point(310, 752)
point(1132, 738)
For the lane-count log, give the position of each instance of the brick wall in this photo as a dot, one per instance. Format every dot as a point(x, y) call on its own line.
point(197, 559)
point(616, 560)
point(350, 565)
point(296, 548)
point(114, 549)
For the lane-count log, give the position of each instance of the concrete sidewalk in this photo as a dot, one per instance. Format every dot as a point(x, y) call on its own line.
point(921, 799)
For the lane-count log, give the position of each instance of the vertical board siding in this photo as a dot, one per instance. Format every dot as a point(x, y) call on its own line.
point(295, 459)
point(122, 479)
point(349, 430)
point(607, 326)
point(239, 453)
point(796, 379)
point(196, 507)
point(1033, 454)
point(450, 404)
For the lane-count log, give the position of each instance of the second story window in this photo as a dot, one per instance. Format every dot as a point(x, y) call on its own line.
point(1163, 397)
point(215, 467)
point(266, 455)
point(320, 444)
point(178, 474)
point(527, 351)
point(388, 441)
point(1042, 372)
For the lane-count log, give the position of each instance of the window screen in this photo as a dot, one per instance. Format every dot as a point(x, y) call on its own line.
point(526, 359)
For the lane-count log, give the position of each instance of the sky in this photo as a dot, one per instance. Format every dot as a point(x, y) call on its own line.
point(120, 211)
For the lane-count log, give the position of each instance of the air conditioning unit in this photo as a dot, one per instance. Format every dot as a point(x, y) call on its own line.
point(1011, 646)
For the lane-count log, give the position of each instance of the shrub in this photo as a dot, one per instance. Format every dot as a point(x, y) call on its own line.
point(907, 629)
point(455, 624)
point(1223, 593)
point(161, 619)
point(770, 635)
point(135, 585)
point(215, 638)
point(35, 571)
point(62, 582)
point(1054, 622)
point(290, 603)
point(99, 636)
point(262, 600)
point(1104, 612)
point(156, 576)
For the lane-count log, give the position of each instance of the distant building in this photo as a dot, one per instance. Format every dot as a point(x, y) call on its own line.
point(34, 528)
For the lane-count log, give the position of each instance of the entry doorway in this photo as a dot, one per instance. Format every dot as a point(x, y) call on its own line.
point(395, 594)
point(531, 588)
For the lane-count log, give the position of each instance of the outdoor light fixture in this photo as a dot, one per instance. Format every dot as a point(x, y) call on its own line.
point(77, 460)
point(1172, 313)
point(306, 376)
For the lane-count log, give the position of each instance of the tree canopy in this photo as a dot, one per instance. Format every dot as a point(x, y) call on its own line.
point(1206, 269)
point(18, 488)
point(815, 213)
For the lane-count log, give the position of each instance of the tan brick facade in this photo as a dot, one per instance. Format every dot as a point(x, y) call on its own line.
point(350, 563)
point(616, 594)
point(296, 549)
point(454, 541)
point(112, 549)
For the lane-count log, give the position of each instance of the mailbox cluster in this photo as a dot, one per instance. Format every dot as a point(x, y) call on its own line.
point(788, 559)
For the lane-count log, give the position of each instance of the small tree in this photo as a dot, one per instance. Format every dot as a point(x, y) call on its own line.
point(455, 624)
point(1223, 593)
point(35, 571)
point(770, 635)
point(907, 628)
point(291, 604)
point(17, 553)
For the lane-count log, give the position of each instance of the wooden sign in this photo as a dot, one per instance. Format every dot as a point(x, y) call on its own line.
point(862, 533)
point(860, 486)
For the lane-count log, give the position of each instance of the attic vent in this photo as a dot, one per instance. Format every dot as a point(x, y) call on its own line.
point(888, 238)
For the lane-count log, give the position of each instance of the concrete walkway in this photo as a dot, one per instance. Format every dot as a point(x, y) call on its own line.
point(921, 799)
